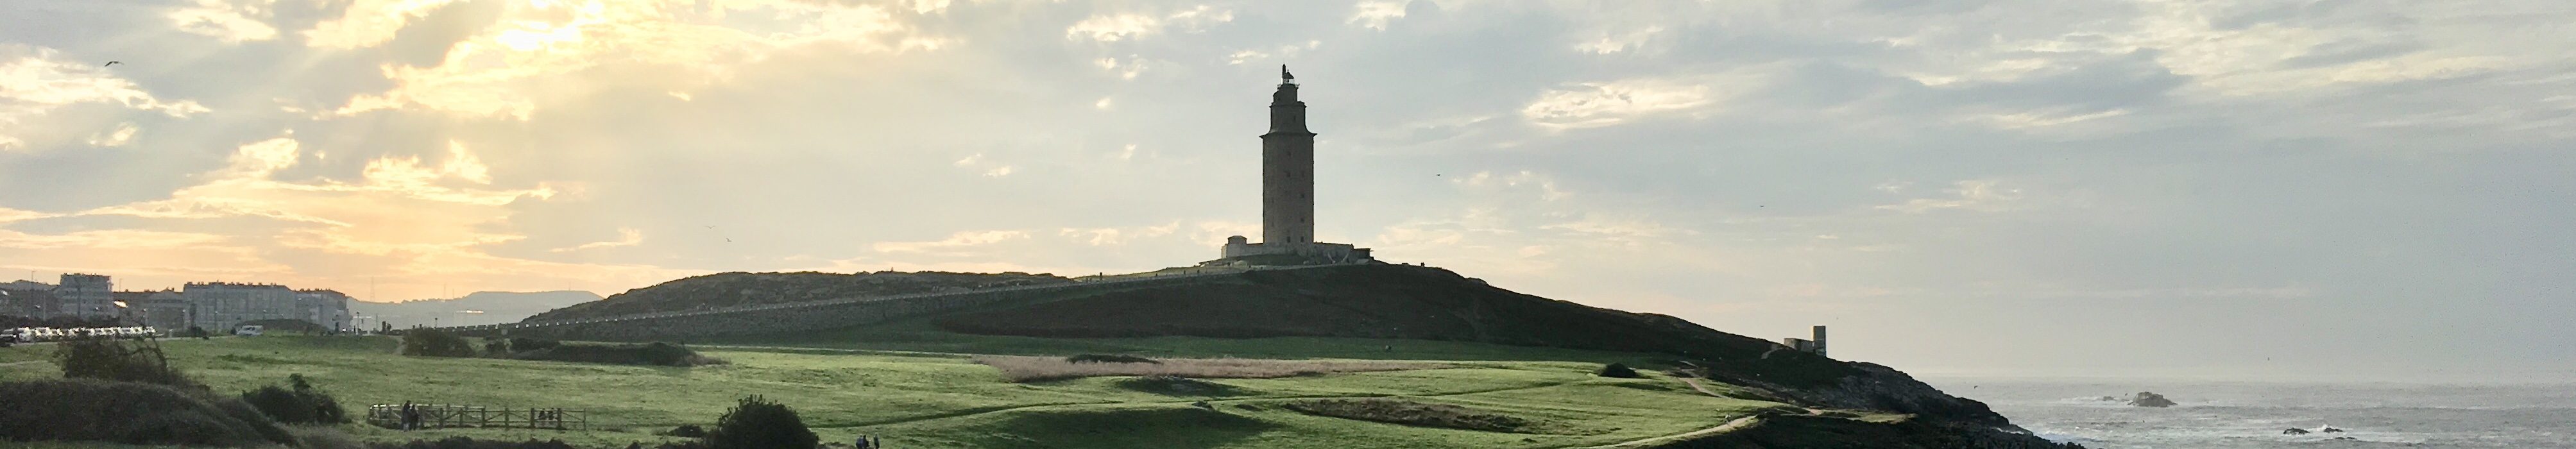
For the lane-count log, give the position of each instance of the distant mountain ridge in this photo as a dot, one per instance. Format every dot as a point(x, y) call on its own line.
point(472, 309)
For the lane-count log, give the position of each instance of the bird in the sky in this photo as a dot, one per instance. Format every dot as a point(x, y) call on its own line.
point(711, 226)
point(109, 63)
point(728, 240)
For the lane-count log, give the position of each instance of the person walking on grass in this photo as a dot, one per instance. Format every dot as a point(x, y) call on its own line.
point(410, 416)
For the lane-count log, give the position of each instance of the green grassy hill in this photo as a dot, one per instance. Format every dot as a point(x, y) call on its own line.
point(1361, 311)
point(740, 289)
point(930, 400)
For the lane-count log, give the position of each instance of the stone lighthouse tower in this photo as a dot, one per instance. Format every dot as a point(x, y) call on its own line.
point(1288, 193)
point(1287, 169)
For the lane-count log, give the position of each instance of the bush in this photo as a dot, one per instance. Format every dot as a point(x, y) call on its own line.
point(1034, 369)
point(197, 333)
point(301, 405)
point(1108, 358)
point(757, 423)
point(129, 413)
point(1398, 411)
point(319, 437)
point(435, 343)
point(532, 344)
point(687, 430)
point(654, 354)
point(284, 325)
point(470, 443)
point(1619, 371)
point(1170, 385)
point(117, 360)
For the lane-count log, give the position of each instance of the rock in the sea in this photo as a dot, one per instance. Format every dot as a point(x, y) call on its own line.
point(2150, 399)
point(2331, 429)
point(2294, 431)
point(2109, 399)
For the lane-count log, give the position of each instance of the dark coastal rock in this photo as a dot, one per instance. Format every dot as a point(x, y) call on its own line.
point(2150, 399)
point(2294, 431)
point(2331, 429)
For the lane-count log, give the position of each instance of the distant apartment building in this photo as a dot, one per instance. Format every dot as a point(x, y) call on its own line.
point(84, 295)
point(165, 309)
point(329, 308)
point(21, 298)
point(222, 305)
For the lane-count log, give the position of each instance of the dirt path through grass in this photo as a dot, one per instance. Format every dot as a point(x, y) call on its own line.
point(10, 364)
point(1729, 426)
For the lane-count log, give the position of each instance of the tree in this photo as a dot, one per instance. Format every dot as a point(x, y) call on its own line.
point(756, 423)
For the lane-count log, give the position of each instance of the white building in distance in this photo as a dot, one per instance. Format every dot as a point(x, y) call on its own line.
point(217, 306)
point(84, 295)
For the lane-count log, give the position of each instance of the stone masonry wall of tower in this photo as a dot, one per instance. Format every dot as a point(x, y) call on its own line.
point(1287, 172)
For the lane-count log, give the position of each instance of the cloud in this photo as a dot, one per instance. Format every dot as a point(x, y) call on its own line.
point(1375, 14)
point(366, 23)
point(544, 50)
point(36, 83)
point(230, 21)
point(625, 237)
point(1118, 236)
point(1592, 105)
point(1131, 26)
point(123, 134)
point(955, 242)
point(1984, 195)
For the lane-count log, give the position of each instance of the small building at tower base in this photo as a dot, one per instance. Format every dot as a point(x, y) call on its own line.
point(1241, 250)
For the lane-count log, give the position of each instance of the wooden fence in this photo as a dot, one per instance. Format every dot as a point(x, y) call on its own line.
point(431, 416)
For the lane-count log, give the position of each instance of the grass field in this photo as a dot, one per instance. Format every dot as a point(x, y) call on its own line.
point(939, 400)
point(918, 335)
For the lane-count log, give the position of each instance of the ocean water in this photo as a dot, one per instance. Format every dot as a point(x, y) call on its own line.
point(2218, 415)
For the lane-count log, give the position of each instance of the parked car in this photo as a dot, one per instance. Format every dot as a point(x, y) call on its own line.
point(249, 330)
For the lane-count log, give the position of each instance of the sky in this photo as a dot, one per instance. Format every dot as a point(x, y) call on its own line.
point(1959, 185)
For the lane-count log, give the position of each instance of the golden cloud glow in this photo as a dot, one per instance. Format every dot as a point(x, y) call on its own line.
point(539, 50)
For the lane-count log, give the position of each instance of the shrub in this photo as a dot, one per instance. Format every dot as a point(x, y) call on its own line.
point(532, 344)
point(470, 443)
point(655, 354)
point(1031, 369)
point(1108, 358)
point(301, 405)
point(1398, 411)
point(1619, 371)
point(319, 437)
point(435, 343)
point(116, 360)
point(129, 413)
point(284, 325)
point(688, 431)
point(757, 423)
point(197, 333)
point(1170, 385)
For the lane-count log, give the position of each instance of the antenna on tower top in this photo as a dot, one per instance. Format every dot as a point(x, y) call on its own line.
point(1284, 77)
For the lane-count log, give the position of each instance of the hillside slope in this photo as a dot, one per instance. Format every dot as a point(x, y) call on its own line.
point(722, 290)
point(1373, 301)
point(473, 309)
point(1384, 302)
point(1410, 302)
